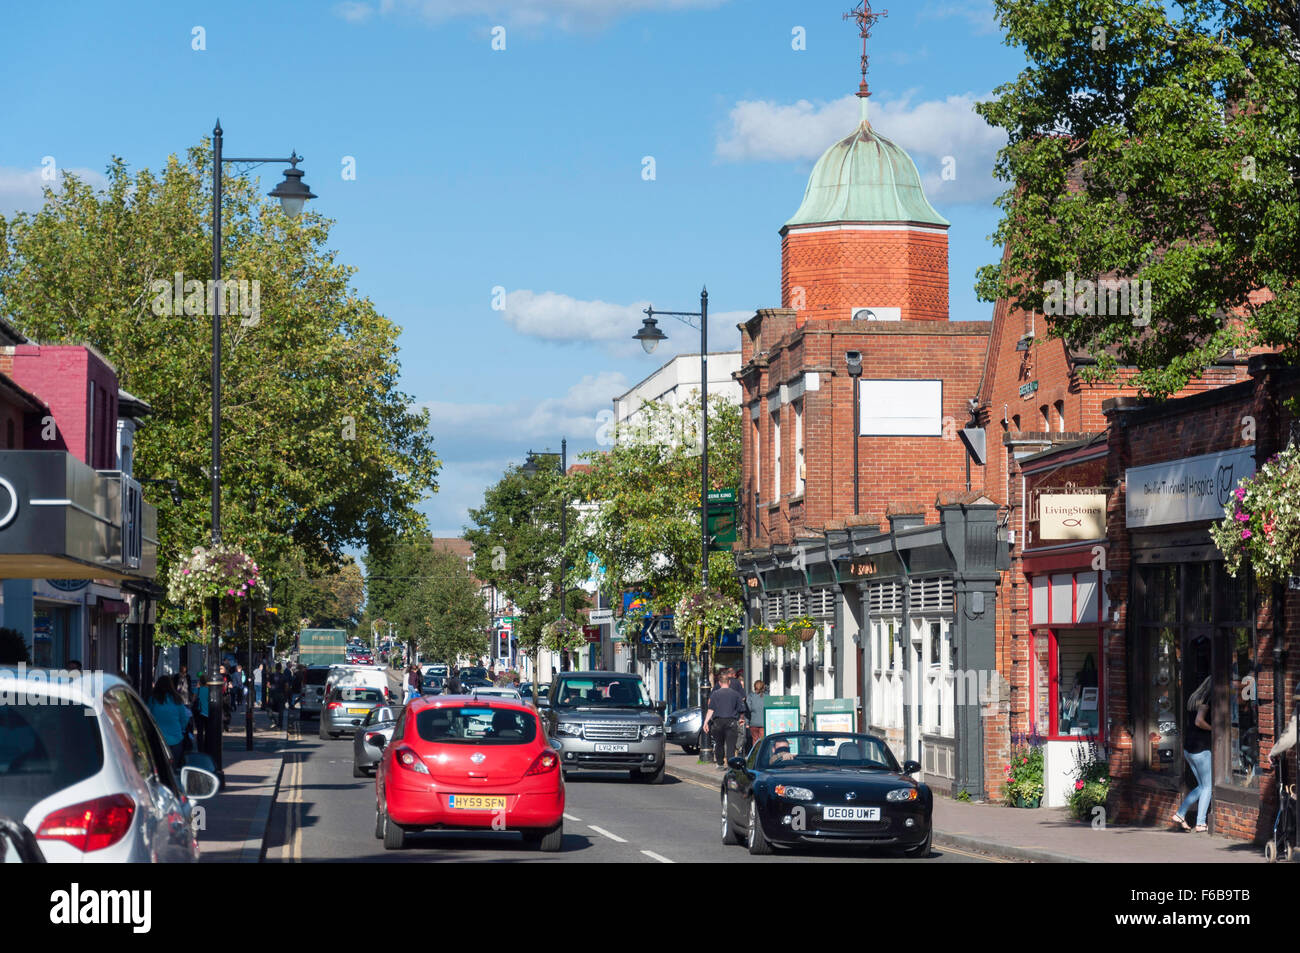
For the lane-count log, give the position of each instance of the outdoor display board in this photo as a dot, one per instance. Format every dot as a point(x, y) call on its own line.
point(780, 713)
point(834, 714)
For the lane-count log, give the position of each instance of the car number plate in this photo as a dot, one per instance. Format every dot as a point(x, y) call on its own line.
point(850, 813)
point(611, 749)
point(476, 802)
point(357, 711)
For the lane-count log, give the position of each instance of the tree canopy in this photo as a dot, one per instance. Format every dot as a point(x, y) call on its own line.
point(1154, 142)
point(321, 450)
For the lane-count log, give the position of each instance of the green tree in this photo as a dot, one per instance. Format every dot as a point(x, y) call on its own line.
point(323, 450)
point(516, 538)
point(1158, 142)
point(430, 595)
point(641, 518)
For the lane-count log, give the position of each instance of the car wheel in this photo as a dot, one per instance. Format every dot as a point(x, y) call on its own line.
point(358, 771)
point(920, 850)
point(690, 749)
point(379, 823)
point(758, 842)
point(394, 836)
point(324, 735)
point(729, 835)
point(656, 778)
point(546, 841)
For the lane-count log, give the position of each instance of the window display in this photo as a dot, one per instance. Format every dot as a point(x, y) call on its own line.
point(1077, 682)
point(1165, 697)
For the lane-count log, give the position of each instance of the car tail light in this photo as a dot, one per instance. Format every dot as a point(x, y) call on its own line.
point(90, 825)
point(371, 736)
point(334, 705)
point(546, 762)
point(408, 759)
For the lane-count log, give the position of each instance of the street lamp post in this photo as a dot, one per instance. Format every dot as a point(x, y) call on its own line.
point(650, 335)
point(293, 194)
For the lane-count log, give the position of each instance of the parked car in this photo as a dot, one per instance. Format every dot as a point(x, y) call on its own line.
point(683, 726)
point(347, 708)
point(470, 682)
point(87, 771)
point(543, 692)
point(367, 749)
point(313, 690)
point(803, 788)
point(473, 671)
point(605, 721)
point(457, 763)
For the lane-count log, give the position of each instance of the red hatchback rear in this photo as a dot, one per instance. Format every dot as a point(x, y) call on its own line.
point(465, 763)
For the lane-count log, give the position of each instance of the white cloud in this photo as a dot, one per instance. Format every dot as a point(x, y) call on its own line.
point(23, 190)
point(930, 131)
point(552, 316)
point(575, 414)
point(978, 13)
point(568, 14)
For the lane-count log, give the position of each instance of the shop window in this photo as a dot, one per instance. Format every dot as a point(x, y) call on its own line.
point(800, 474)
point(1165, 700)
point(1042, 684)
point(1062, 599)
point(776, 455)
point(1078, 686)
point(1198, 588)
point(1243, 710)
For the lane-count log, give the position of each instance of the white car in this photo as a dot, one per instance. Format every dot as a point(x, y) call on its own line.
point(358, 676)
point(510, 694)
point(84, 767)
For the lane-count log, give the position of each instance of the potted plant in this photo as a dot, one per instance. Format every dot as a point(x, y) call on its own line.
point(760, 638)
point(223, 572)
point(706, 610)
point(563, 635)
point(1023, 786)
point(1091, 786)
point(1261, 524)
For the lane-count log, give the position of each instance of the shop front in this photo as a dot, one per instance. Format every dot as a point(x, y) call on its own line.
point(1064, 562)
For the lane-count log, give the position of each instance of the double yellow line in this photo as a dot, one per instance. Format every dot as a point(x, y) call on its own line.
point(291, 798)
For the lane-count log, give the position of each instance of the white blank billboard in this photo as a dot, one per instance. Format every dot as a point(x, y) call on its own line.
point(901, 408)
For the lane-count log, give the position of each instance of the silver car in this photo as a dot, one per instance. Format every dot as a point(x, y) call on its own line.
point(347, 707)
point(84, 767)
point(605, 721)
point(365, 753)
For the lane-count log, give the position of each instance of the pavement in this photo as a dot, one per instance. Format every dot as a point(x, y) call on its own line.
point(232, 825)
point(1043, 835)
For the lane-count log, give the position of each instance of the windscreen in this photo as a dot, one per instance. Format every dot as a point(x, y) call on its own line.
point(366, 695)
point(475, 725)
point(602, 691)
point(859, 752)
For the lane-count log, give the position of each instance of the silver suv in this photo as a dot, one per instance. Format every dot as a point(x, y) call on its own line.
point(605, 721)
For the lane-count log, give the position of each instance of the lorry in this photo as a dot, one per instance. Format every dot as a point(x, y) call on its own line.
point(322, 646)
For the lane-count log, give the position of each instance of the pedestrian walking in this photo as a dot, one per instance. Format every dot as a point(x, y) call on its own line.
point(171, 716)
point(412, 683)
point(259, 674)
point(201, 702)
point(756, 705)
point(277, 697)
point(726, 706)
point(184, 687)
point(1197, 739)
point(237, 685)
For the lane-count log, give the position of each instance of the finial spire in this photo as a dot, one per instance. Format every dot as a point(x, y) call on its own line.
point(866, 18)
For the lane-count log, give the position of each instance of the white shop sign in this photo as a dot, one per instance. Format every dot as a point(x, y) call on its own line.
point(1186, 490)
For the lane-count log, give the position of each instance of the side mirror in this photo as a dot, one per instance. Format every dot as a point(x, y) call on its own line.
point(737, 763)
point(911, 767)
point(198, 784)
point(377, 739)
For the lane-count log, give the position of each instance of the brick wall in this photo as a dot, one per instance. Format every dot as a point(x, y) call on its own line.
point(62, 376)
point(824, 274)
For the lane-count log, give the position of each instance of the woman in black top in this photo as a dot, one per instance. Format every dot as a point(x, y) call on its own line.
point(1197, 737)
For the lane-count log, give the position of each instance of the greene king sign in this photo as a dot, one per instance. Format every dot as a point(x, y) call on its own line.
point(1186, 490)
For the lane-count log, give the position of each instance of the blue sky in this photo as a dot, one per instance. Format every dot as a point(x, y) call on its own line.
point(522, 169)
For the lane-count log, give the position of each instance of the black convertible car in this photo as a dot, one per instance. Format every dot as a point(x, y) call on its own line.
point(806, 788)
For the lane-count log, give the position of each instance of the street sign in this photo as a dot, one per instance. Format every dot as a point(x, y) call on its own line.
point(722, 496)
point(601, 616)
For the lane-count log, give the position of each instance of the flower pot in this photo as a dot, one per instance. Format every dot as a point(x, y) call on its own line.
point(1022, 801)
point(806, 635)
point(779, 639)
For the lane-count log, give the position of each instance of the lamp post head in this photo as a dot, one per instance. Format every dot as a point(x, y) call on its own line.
point(293, 192)
point(530, 465)
point(649, 334)
point(854, 361)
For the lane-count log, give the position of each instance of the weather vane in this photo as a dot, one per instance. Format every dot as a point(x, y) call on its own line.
point(866, 18)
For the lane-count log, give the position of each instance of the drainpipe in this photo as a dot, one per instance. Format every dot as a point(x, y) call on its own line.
point(854, 361)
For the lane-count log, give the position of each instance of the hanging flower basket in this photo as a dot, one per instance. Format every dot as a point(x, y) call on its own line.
point(780, 638)
point(1261, 524)
point(709, 609)
point(221, 572)
point(760, 638)
point(563, 635)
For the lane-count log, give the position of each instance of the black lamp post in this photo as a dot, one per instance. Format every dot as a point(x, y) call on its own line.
point(293, 194)
point(854, 361)
point(650, 335)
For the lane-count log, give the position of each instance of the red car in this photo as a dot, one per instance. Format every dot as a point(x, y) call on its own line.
point(462, 763)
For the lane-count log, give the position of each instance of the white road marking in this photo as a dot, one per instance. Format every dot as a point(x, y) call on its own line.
point(570, 817)
point(605, 833)
point(659, 857)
